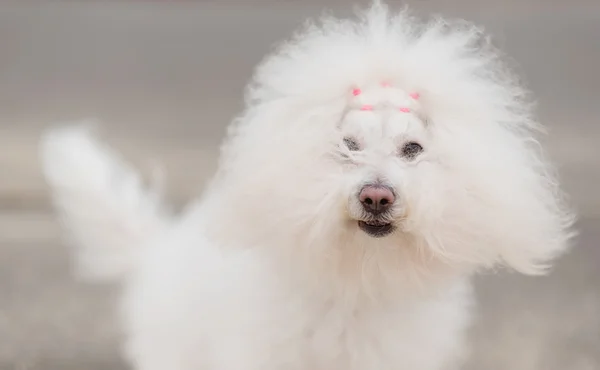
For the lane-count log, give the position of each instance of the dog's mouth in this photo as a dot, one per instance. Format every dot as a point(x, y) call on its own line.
point(376, 229)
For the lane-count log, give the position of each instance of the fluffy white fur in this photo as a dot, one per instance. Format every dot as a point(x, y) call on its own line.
point(269, 269)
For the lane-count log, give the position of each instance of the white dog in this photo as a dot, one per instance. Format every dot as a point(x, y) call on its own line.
point(379, 163)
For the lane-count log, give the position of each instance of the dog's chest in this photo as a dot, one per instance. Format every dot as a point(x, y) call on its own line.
point(395, 336)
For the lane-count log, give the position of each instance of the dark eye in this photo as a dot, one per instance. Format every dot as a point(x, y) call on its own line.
point(352, 144)
point(411, 149)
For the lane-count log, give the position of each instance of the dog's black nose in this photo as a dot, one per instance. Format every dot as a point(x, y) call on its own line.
point(376, 199)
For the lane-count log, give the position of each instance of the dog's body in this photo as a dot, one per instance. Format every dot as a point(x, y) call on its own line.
point(378, 165)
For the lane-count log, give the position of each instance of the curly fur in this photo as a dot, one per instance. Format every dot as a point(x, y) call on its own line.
point(268, 269)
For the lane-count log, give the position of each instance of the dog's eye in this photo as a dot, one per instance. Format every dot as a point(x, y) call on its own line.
point(411, 149)
point(351, 143)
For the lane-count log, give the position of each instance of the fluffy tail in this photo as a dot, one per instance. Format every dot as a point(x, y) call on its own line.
point(108, 213)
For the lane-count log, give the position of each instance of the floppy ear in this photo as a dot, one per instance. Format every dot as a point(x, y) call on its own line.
point(515, 191)
point(543, 222)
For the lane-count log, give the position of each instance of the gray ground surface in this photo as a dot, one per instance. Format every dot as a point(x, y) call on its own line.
point(166, 77)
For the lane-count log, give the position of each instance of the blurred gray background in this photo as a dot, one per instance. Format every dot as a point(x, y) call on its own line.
point(165, 77)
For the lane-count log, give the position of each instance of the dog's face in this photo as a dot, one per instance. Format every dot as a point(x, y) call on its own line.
point(383, 138)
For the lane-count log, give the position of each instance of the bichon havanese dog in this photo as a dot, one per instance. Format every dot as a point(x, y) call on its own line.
point(379, 163)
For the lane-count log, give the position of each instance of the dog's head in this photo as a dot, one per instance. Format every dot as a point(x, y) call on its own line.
point(402, 140)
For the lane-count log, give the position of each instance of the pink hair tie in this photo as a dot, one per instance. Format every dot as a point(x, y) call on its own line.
point(404, 110)
point(356, 92)
point(415, 95)
point(366, 107)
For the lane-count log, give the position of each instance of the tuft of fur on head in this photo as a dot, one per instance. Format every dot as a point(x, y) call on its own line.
point(480, 195)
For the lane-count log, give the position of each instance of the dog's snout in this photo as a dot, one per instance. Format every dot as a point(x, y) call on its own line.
point(376, 198)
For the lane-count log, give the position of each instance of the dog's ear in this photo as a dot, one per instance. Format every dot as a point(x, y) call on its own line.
point(526, 209)
point(543, 235)
point(537, 217)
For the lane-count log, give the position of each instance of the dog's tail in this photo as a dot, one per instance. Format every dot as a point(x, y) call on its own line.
point(108, 213)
